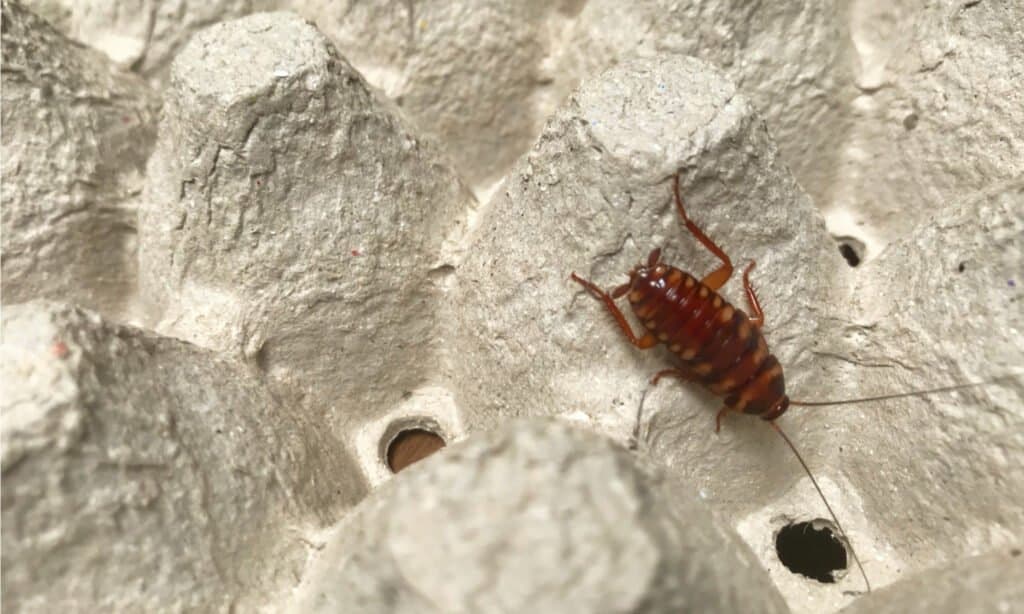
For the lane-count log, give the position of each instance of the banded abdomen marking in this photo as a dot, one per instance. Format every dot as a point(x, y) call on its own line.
point(717, 343)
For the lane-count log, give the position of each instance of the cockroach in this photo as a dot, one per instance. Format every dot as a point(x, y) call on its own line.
point(717, 345)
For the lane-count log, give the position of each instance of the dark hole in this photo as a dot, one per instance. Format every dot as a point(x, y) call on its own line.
point(851, 249)
point(910, 121)
point(411, 446)
point(1015, 552)
point(963, 265)
point(852, 258)
point(814, 553)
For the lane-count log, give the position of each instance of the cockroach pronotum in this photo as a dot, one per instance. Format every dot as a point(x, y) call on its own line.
point(718, 345)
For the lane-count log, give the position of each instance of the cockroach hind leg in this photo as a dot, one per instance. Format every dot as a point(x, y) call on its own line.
point(717, 278)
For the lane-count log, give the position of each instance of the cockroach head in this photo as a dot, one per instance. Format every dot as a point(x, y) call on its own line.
point(648, 271)
point(645, 270)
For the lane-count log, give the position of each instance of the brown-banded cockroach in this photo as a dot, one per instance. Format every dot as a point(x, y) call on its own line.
point(717, 345)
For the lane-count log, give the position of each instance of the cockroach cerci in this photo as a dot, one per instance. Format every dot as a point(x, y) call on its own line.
point(717, 345)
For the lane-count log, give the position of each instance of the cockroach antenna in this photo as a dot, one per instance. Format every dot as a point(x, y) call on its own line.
point(835, 519)
point(912, 393)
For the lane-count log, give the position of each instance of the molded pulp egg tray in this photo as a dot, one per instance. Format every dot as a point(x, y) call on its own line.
point(255, 253)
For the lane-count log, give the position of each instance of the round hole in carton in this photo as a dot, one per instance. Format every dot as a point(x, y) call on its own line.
point(409, 443)
point(811, 549)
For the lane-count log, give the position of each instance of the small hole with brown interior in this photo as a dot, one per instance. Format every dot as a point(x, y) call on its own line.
point(408, 441)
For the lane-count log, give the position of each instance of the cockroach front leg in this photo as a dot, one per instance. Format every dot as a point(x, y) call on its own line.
point(717, 278)
point(645, 342)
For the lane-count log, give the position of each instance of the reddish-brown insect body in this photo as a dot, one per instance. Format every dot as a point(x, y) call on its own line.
point(717, 345)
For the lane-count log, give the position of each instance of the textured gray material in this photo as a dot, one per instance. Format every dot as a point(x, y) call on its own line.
point(76, 134)
point(939, 115)
point(144, 36)
point(880, 109)
point(292, 218)
point(790, 58)
point(956, 462)
point(478, 74)
point(302, 229)
point(920, 480)
point(985, 584)
point(145, 474)
point(536, 517)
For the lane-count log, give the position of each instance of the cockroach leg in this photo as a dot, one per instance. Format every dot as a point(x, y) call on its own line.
point(756, 315)
point(717, 278)
point(718, 417)
point(645, 342)
point(680, 373)
point(620, 292)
